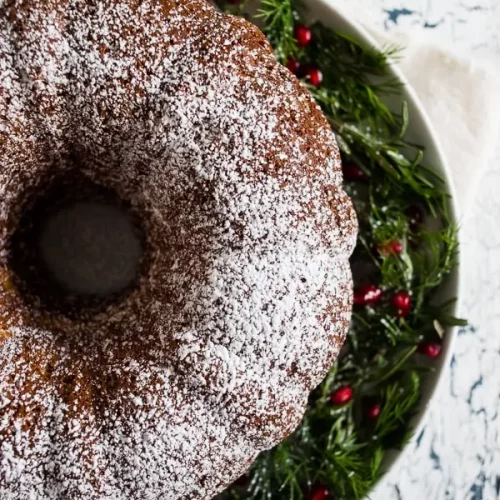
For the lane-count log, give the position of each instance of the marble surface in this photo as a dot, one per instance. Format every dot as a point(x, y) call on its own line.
point(457, 455)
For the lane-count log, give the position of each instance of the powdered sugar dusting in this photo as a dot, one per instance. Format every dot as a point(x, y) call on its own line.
point(183, 111)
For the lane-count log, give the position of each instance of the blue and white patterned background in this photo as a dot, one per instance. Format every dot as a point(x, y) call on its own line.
point(457, 455)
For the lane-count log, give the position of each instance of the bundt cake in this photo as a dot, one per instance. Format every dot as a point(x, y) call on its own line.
point(170, 388)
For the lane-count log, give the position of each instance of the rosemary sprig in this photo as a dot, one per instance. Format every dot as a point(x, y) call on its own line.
point(337, 446)
point(279, 19)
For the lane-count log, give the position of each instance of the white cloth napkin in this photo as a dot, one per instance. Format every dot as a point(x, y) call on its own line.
point(462, 100)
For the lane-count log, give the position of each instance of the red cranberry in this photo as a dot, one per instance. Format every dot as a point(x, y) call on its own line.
point(303, 35)
point(342, 395)
point(352, 173)
point(402, 302)
point(367, 295)
point(319, 493)
point(315, 76)
point(393, 247)
point(429, 349)
point(373, 411)
point(293, 65)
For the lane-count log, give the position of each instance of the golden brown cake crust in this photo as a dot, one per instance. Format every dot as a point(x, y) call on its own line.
point(184, 112)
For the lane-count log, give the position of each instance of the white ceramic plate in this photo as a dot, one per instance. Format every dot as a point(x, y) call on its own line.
point(420, 131)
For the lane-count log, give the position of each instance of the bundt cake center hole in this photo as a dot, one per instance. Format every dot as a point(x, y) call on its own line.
point(90, 247)
point(78, 245)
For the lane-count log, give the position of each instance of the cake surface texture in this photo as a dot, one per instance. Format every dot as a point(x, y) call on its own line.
point(172, 391)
